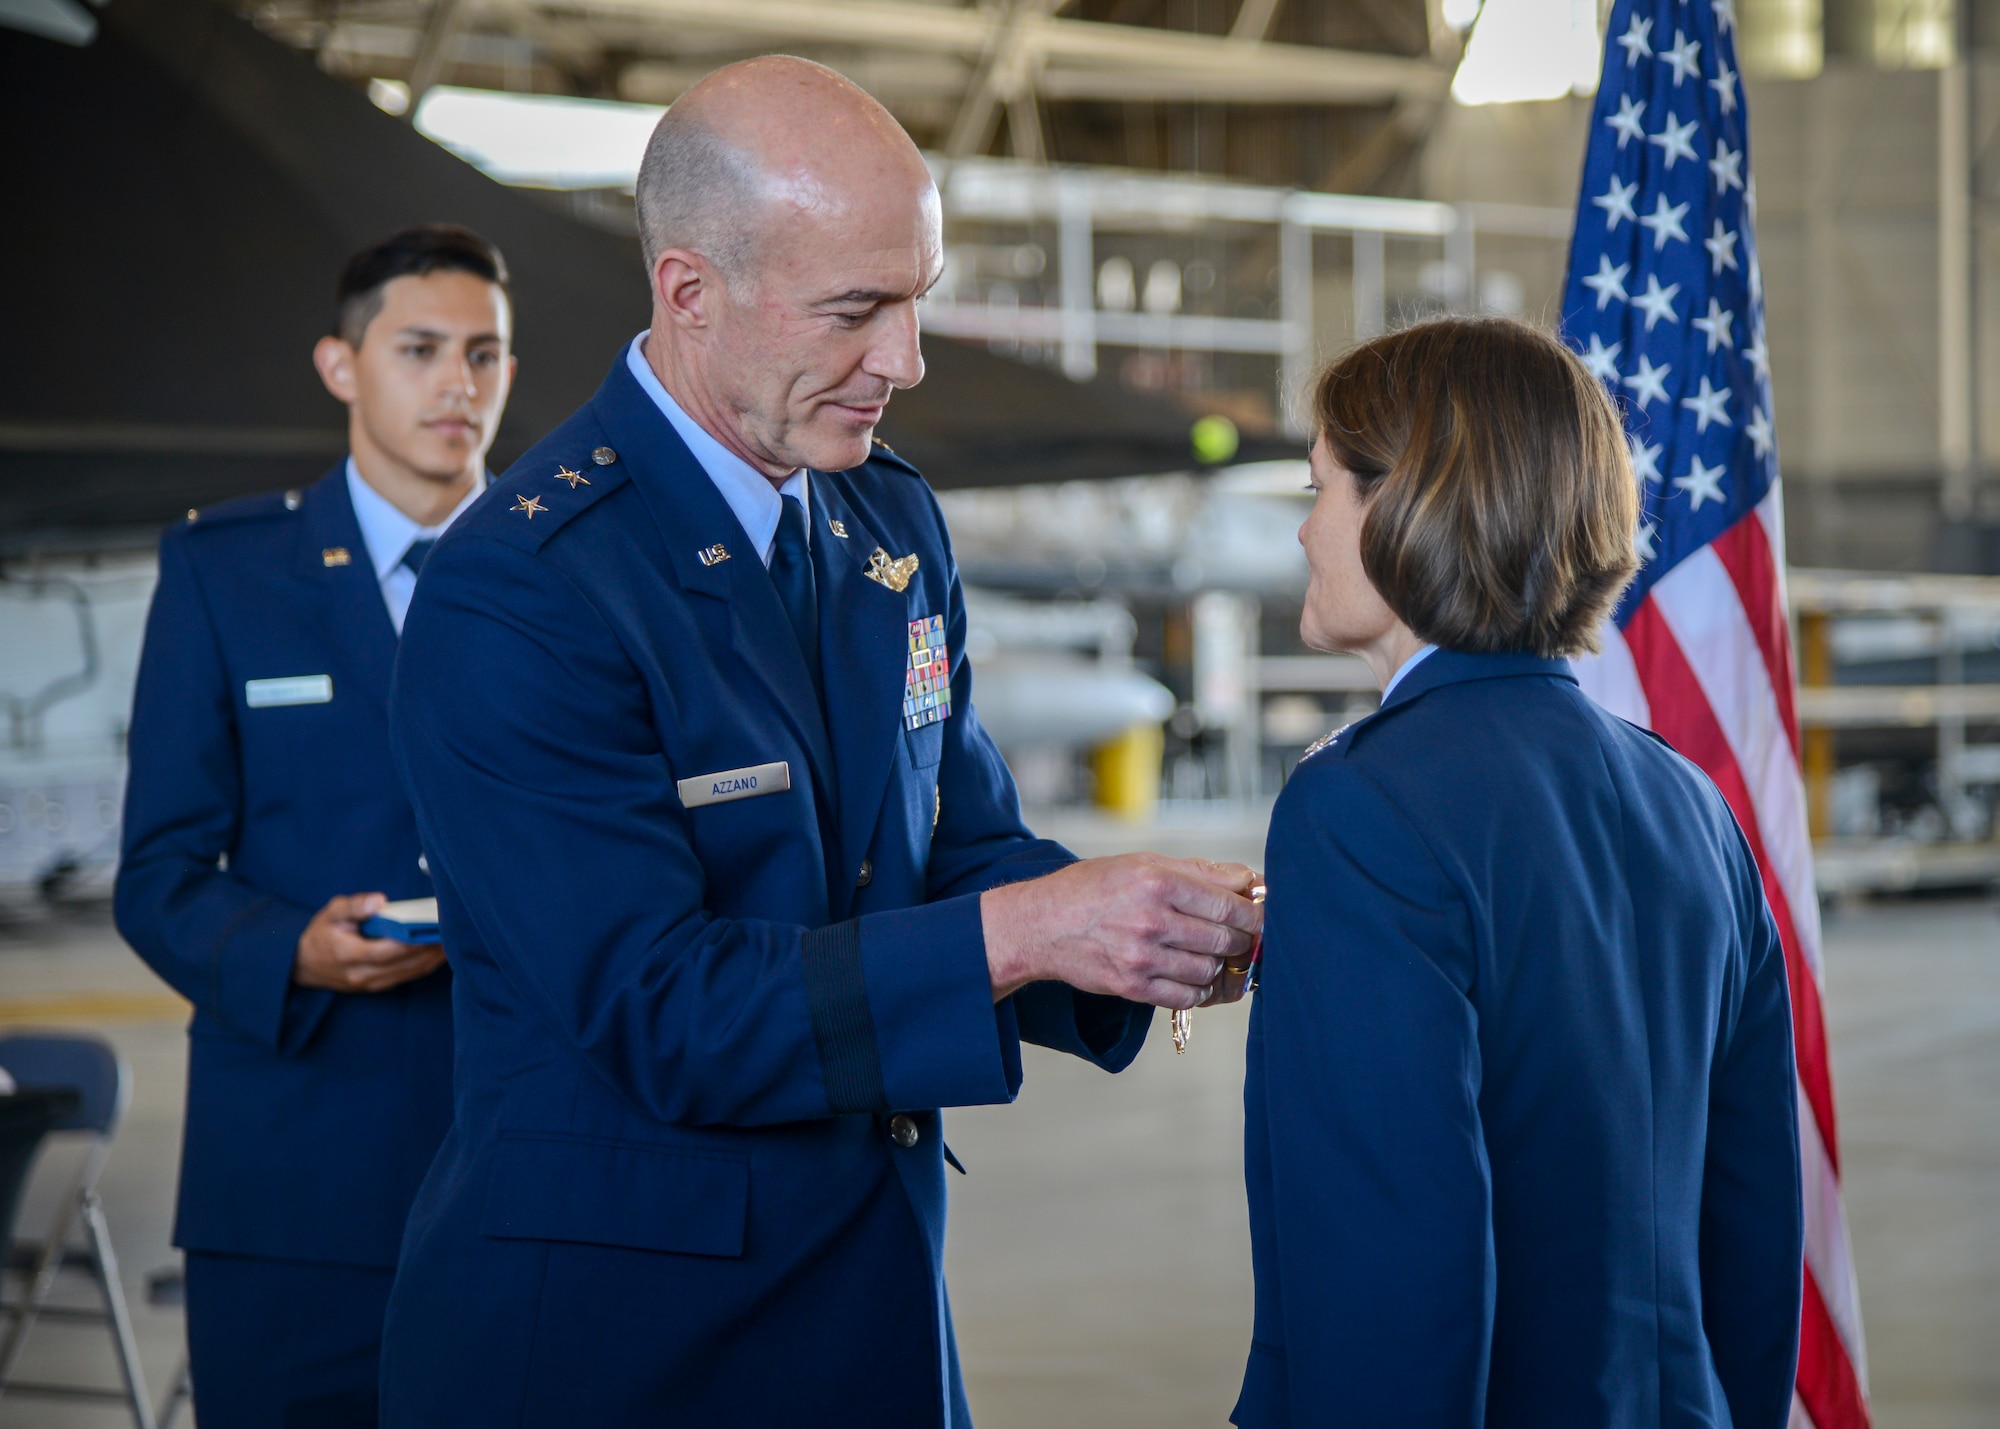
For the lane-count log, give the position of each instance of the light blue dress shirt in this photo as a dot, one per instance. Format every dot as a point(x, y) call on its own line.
point(388, 533)
point(1403, 669)
point(757, 503)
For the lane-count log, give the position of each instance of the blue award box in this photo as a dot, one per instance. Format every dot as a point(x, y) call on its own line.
point(413, 920)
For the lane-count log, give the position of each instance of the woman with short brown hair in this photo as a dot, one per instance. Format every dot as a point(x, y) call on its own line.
point(1520, 1140)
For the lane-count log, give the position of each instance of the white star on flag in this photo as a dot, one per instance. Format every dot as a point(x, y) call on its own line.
point(1637, 40)
point(1760, 357)
point(1758, 429)
point(1601, 360)
point(1724, 85)
point(1721, 246)
point(1702, 483)
point(1725, 21)
point(1727, 166)
point(1642, 540)
point(1645, 459)
point(1673, 139)
point(1649, 382)
point(1707, 405)
point(1626, 120)
point(1608, 282)
point(1665, 221)
point(1657, 302)
point(1715, 325)
point(1616, 202)
point(1682, 58)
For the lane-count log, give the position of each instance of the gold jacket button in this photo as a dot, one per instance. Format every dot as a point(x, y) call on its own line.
point(903, 1130)
point(865, 875)
point(604, 456)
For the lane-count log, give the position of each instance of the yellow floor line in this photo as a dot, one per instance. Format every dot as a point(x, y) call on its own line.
point(91, 1007)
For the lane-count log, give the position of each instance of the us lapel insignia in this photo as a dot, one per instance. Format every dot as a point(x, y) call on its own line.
point(713, 555)
point(927, 682)
point(574, 478)
point(838, 527)
point(334, 556)
point(894, 574)
point(529, 504)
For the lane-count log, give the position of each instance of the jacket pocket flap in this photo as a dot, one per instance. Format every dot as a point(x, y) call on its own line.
point(926, 744)
point(618, 1193)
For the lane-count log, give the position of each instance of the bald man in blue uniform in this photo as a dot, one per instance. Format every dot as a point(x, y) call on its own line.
point(736, 886)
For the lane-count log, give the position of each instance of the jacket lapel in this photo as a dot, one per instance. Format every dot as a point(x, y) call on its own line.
point(693, 518)
point(864, 654)
point(352, 614)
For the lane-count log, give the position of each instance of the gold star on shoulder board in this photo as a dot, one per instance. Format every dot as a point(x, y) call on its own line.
point(574, 478)
point(529, 504)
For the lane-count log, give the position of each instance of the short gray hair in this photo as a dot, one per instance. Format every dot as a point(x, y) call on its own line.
point(699, 192)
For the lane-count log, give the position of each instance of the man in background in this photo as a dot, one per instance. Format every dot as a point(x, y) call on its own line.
point(264, 825)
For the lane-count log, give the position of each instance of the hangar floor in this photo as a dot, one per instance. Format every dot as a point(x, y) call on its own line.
point(1099, 1257)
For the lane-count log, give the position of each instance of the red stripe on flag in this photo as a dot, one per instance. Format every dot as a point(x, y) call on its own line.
point(1826, 1381)
point(1745, 552)
point(1682, 716)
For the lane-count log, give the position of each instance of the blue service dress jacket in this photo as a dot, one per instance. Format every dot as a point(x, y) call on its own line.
point(261, 785)
point(718, 958)
point(1521, 1144)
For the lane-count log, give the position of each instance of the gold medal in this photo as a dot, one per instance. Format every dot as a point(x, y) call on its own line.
point(1229, 979)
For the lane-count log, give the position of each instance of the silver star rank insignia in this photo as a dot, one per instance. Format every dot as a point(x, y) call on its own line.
point(1322, 742)
point(529, 504)
point(574, 478)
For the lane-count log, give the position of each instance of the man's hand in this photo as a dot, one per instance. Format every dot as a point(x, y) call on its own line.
point(334, 955)
point(1142, 927)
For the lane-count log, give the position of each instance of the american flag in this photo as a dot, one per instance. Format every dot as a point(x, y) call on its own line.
point(1665, 303)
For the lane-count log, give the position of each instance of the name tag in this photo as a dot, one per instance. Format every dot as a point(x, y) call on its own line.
point(745, 783)
point(291, 690)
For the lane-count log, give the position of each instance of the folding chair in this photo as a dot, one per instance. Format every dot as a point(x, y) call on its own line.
point(87, 1065)
point(25, 1119)
point(164, 1288)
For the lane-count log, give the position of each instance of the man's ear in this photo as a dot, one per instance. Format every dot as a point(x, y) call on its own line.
point(334, 360)
point(683, 287)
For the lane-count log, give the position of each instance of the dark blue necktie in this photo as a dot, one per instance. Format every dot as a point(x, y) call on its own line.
point(792, 573)
point(419, 551)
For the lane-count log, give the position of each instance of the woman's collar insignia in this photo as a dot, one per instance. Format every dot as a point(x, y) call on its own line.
point(1323, 741)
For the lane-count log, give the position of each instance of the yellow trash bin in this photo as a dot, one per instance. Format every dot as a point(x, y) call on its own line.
point(1128, 771)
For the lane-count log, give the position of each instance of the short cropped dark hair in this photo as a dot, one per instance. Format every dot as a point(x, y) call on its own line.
point(409, 252)
point(1501, 496)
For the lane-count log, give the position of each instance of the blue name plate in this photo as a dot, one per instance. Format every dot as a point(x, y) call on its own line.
point(745, 783)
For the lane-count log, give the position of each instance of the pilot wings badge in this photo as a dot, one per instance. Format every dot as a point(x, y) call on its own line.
point(894, 574)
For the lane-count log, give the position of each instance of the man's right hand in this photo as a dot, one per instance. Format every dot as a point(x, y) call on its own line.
point(333, 954)
point(1140, 926)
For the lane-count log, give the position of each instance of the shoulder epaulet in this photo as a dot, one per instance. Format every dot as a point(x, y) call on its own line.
point(265, 506)
point(542, 493)
point(880, 453)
